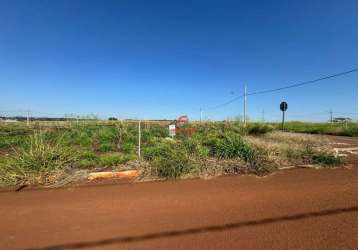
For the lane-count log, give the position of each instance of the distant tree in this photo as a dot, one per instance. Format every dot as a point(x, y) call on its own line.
point(112, 119)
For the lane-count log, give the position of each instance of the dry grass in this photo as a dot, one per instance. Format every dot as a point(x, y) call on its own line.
point(288, 149)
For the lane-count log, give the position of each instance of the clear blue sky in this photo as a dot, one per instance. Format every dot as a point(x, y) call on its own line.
point(161, 59)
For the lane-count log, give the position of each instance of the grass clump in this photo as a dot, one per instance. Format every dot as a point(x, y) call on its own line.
point(8, 141)
point(106, 147)
point(230, 146)
point(167, 160)
point(195, 148)
point(114, 159)
point(326, 159)
point(88, 159)
point(259, 128)
point(36, 162)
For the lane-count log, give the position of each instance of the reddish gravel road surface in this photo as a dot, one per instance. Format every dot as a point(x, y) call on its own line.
point(292, 209)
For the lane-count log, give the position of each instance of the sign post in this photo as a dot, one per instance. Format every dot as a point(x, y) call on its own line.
point(283, 107)
point(172, 130)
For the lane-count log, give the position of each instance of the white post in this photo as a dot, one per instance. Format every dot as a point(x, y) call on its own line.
point(28, 118)
point(139, 139)
point(245, 104)
point(201, 115)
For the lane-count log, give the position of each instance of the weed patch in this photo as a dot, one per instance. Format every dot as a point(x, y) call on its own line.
point(36, 162)
point(114, 159)
point(167, 160)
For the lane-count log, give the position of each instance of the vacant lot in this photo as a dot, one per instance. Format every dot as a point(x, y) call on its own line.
point(48, 153)
point(292, 209)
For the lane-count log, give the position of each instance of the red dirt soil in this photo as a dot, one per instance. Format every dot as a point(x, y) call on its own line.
point(292, 209)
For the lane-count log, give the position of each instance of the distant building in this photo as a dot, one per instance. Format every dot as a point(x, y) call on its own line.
point(341, 119)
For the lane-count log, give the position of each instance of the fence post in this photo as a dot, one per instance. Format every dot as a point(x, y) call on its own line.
point(139, 140)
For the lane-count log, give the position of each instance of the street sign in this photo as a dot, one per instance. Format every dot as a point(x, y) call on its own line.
point(283, 106)
point(172, 130)
point(181, 120)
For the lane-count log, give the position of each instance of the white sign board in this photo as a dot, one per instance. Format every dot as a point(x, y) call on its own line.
point(172, 130)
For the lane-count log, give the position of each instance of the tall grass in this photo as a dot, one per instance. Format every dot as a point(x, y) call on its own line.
point(167, 159)
point(36, 162)
point(230, 145)
point(38, 157)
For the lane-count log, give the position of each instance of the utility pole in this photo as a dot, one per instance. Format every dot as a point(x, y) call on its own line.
point(263, 115)
point(201, 115)
point(331, 115)
point(245, 104)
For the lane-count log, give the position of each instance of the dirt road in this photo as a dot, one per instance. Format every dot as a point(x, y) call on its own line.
point(292, 209)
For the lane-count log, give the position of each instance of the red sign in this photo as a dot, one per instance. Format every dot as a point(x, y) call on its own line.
point(182, 119)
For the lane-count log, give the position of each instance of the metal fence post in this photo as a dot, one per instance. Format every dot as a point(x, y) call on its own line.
point(139, 140)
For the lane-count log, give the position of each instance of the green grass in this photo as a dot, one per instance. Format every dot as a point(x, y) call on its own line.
point(8, 141)
point(36, 161)
point(230, 145)
point(167, 159)
point(114, 159)
point(42, 151)
point(326, 159)
point(321, 128)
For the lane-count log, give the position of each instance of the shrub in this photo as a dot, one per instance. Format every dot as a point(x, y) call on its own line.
point(230, 146)
point(300, 153)
point(326, 159)
point(167, 160)
point(259, 129)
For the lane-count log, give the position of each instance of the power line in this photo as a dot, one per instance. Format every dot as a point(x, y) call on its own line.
point(295, 85)
point(304, 83)
point(308, 114)
point(224, 104)
point(345, 113)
